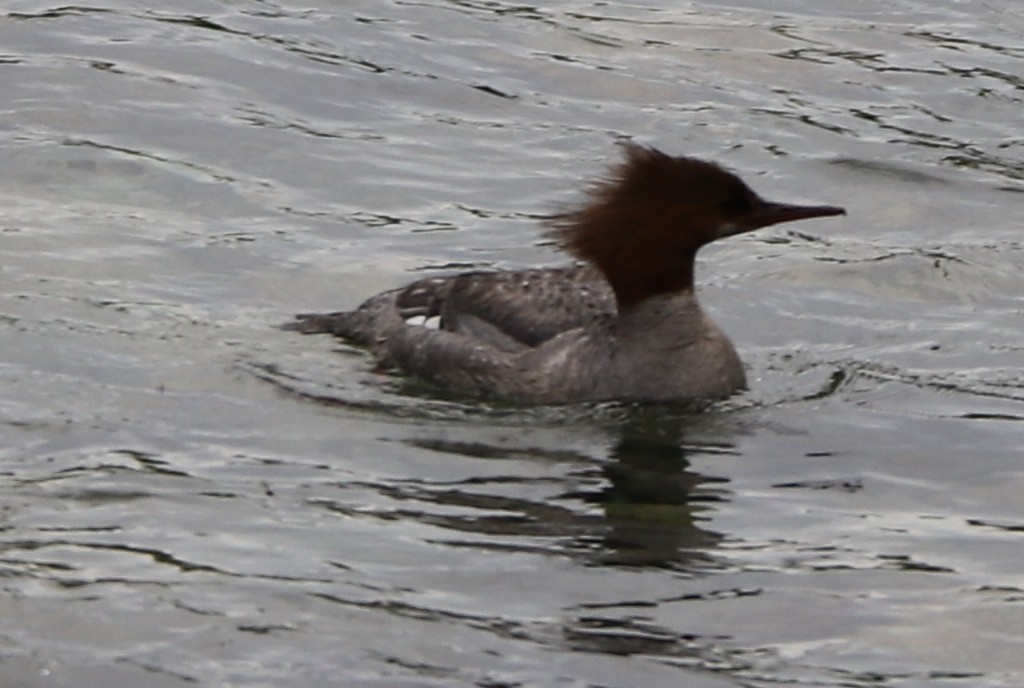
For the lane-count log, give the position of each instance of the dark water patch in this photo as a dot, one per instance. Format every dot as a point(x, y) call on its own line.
point(888, 169)
point(844, 484)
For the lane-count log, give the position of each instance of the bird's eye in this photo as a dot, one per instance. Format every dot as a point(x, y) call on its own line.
point(735, 205)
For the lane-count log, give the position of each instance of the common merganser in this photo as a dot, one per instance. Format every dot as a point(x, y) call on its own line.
point(624, 325)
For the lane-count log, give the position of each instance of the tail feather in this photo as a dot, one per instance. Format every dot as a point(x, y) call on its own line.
point(321, 323)
point(363, 326)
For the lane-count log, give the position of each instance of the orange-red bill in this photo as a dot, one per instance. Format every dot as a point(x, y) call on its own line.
point(769, 213)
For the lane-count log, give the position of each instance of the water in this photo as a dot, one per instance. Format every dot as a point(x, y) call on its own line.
point(189, 496)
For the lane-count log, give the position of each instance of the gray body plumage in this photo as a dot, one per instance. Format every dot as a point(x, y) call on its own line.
point(544, 336)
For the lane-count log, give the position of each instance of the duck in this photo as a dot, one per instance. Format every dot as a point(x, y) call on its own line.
point(621, 323)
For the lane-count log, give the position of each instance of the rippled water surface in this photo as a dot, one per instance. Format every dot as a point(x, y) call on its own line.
point(189, 496)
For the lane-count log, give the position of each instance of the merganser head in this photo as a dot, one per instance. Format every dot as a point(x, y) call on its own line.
point(643, 224)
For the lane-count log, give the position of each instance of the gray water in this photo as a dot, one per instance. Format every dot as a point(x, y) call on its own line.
point(189, 496)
